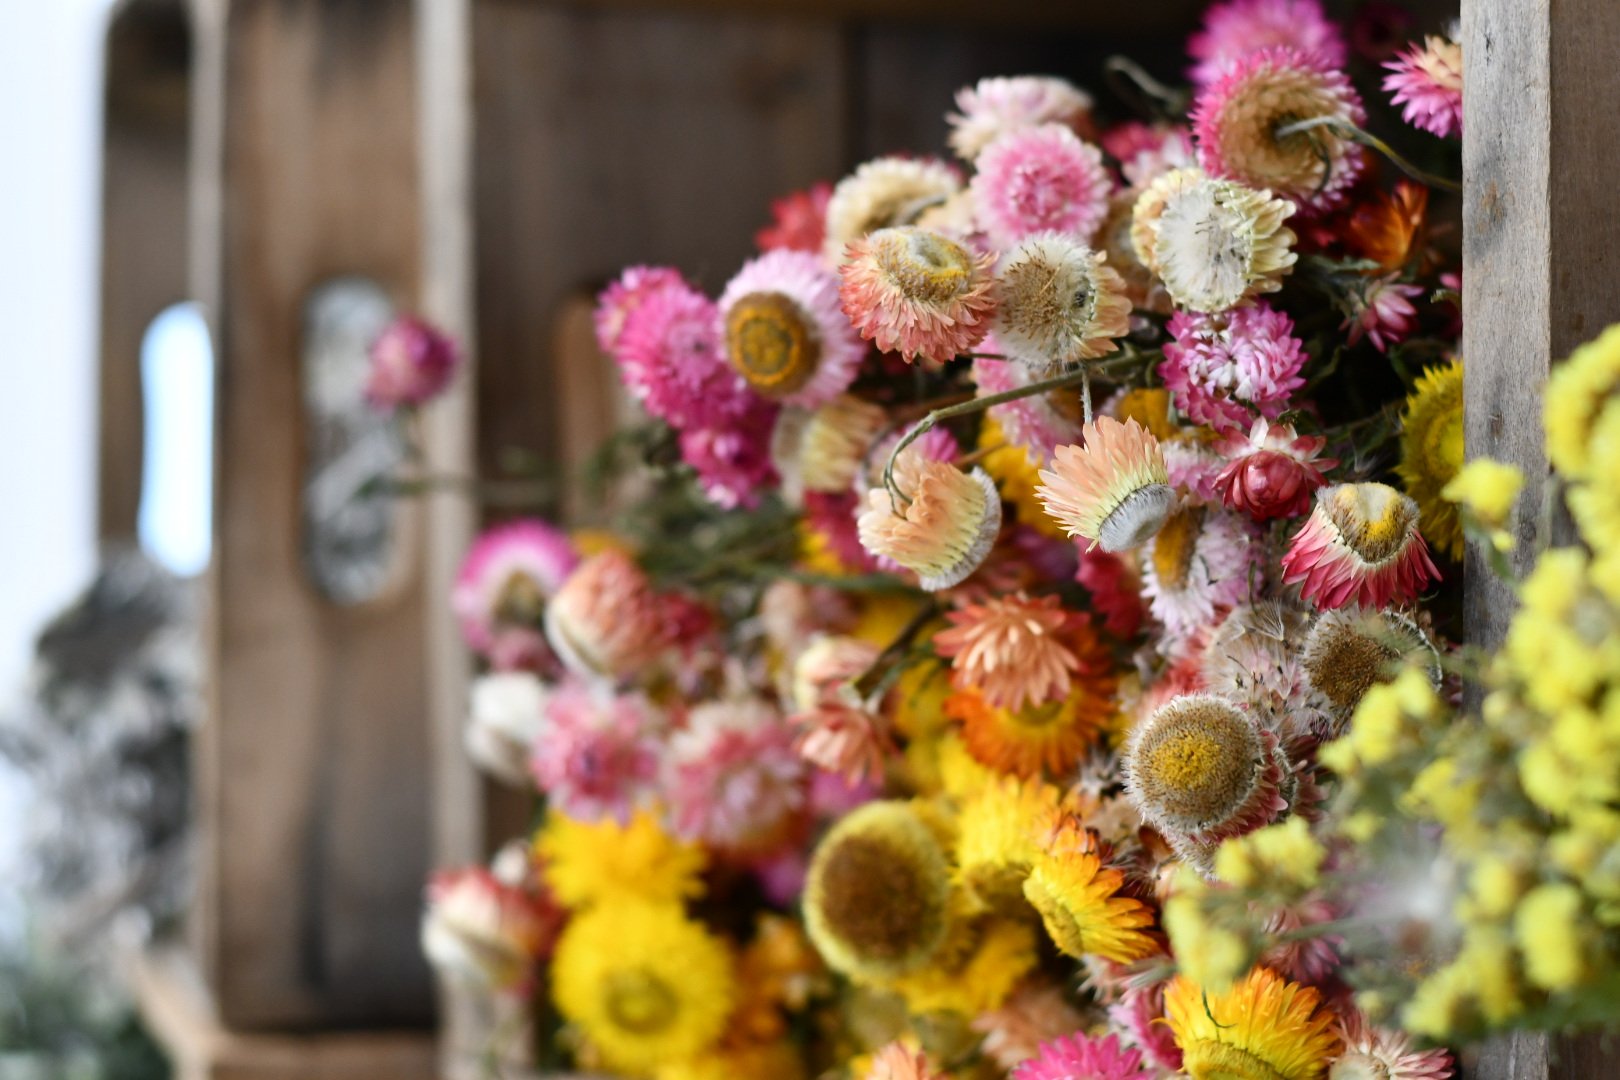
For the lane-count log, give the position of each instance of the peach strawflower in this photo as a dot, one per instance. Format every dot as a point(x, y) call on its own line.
point(1113, 489)
point(1012, 649)
point(996, 106)
point(1043, 179)
point(1377, 1053)
point(940, 525)
point(1034, 1013)
point(899, 1062)
point(1427, 82)
point(1361, 545)
point(1058, 302)
point(1235, 120)
point(606, 621)
point(883, 193)
point(836, 730)
point(917, 293)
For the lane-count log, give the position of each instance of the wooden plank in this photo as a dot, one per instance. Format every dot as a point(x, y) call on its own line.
point(314, 762)
point(1539, 155)
point(1093, 17)
point(175, 1005)
point(143, 231)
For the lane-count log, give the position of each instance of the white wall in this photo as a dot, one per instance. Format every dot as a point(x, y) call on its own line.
point(50, 59)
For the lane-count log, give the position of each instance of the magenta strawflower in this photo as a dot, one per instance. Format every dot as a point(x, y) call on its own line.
point(598, 752)
point(1083, 1057)
point(1223, 369)
point(507, 578)
point(1237, 28)
point(671, 358)
point(733, 462)
point(784, 331)
point(1140, 1014)
point(1426, 81)
point(1043, 179)
point(832, 519)
point(1360, 545)
point(1382, 312)
point(1115, 586)
point(996, 106)
point(615, 303)
point(412, 362)
point(1236, 119)
point(1272, 472)
point(734, 779)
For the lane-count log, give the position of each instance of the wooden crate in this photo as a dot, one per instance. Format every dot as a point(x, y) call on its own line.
point(492, 162)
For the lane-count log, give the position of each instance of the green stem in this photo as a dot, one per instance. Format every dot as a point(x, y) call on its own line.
point(1346, 130)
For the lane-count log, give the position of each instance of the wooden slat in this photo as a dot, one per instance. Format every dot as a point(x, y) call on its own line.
point(1160, 16)
point(143, 229)
point(1540, 251)
point(314, 765)
point(175, 1006)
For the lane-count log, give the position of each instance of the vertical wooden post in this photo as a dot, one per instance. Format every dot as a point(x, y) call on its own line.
point(1541, 274)
point(313, 759)
point(143, 229)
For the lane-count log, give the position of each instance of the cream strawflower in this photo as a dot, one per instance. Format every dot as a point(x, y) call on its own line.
point(822, 450)
point(1114, 489)
point(1217, 243)
point(1149, 206)
point(884, 192)
point(1058, 302)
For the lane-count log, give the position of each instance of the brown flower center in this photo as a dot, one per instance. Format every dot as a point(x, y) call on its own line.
point(771, 343)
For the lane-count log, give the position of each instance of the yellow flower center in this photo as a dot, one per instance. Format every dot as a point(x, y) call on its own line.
point(1206, 1060)
point(925, 266)
point(520, 600)
point(1173, 548)
point(640, 1002)
point(771, 343)
point(1197, 765)
point(1374, 520)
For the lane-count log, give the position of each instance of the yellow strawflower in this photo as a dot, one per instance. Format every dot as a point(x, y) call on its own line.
point(1263, 1028)
point(646, 986)
point(997, 842)
point(1017, 475)
point(1432, 452)
point(979, 980)
point(587, 862)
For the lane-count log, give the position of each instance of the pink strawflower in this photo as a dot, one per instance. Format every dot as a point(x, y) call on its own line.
point(1273, 471)
point(1197, 568)
point(1115, 586)
point(488, 932)
point(670, 355)
point(798, 221)
point(1085, 1057)
point(1382, 312)
point(997, 106)
point(1193, 464)
point(917, 293)
point(1147, 151)
point(607, 622)
point(1359, 546)
point(1044, 179)
point(1140, 1014)
point(1234, 29)
point(785, 332)
point(598, 752)
point(506, 580)
point(1301, 958)
point(1371, 1051)
point(733, 462)
point(844, 738)
point(1426, 81)
point(1013, 650)
point(734, 780)
point(615, 303)
point(1224, 368)
point(411, 362)
point(1235, 120)
point(1037, 424)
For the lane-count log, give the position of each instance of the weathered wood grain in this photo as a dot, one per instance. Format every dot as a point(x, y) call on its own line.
point(143, 231)
point(313, 762)
point(1169, 17)
point(1540, 244)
